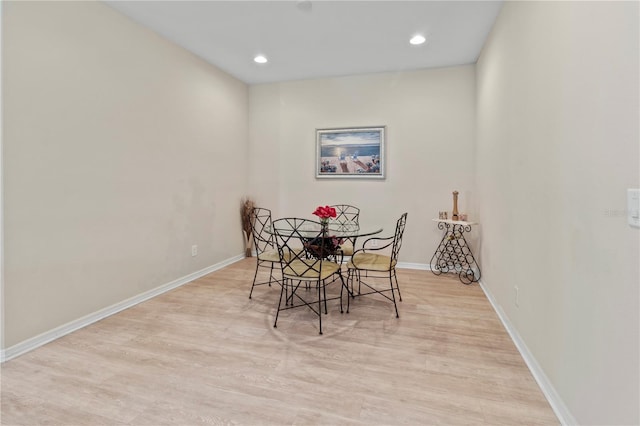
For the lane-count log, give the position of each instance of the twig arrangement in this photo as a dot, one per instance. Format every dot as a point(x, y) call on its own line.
point(245, 214)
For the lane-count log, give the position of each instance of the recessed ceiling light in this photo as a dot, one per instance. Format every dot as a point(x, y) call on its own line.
point(417, 39)
point(260, 59)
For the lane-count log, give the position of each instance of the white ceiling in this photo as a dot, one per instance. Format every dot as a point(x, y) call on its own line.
point(315, 39)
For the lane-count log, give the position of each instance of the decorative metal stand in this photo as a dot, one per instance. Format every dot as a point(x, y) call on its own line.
point(454, 254)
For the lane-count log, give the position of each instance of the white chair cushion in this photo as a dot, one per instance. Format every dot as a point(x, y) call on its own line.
point(371, 262)
point(299, 270)
point(269, 256)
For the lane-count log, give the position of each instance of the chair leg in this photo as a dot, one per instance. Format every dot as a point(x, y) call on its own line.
point(324, 287)
point(397, 286)
point(348, 299)
point(254, 278)
point(320, 307)
point(349, 293)
point(271, 274)
point(341, 290)
point(356, 277)
point(352, 274)
point(289, 297)
point(284, 283)
point(393, 295)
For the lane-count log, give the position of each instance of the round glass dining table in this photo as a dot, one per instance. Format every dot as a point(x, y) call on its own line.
point(321, 244)
point(348, 230)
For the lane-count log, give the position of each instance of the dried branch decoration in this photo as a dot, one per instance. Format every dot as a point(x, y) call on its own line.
point(245, 214)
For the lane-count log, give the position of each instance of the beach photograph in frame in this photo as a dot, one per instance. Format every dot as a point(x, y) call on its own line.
point(356, 152)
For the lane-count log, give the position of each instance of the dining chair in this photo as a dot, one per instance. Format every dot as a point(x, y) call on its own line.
point(377, 258)
point(346, 215)
point(305, 257)
point(266, 249)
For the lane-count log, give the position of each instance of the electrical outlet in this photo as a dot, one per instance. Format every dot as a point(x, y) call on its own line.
point(517, 290)
point(374, 243)
point(194, 250)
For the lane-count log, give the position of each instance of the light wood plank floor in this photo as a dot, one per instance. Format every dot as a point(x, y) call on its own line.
point(205, 353)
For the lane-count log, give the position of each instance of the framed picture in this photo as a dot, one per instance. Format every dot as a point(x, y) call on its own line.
point(350, 153)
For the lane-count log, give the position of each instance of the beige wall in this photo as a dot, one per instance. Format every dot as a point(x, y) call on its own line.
point(430, 119)
point(557, 149)
point(121, 150)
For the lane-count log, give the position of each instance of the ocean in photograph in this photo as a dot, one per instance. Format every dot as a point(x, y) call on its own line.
point(349, 150)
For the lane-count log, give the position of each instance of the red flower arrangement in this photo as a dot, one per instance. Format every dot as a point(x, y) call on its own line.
point(324, 246)
point(325, 213)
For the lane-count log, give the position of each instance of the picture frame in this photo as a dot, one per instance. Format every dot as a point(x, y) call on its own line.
point(351, 153)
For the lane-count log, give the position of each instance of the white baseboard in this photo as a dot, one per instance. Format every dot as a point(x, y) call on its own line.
point(557, 404)
point(46, 337)
point(420, 266)
point(426, 267)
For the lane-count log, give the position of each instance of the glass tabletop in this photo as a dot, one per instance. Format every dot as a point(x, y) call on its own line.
point(334, 230)
point(351, 231)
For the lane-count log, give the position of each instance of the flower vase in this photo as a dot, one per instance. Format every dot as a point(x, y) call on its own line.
point(324, 226)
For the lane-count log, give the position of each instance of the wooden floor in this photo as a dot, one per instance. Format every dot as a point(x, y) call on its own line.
point(206, 354)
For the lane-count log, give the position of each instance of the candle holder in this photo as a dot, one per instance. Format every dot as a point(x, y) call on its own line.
point(454, 213)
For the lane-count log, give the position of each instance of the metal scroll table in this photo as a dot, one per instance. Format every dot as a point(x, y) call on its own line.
point(453, 253)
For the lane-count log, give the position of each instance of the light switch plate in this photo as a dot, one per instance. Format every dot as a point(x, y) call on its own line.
point(633, 207)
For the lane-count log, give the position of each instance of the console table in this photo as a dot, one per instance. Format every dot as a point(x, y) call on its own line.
point(453, 253)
